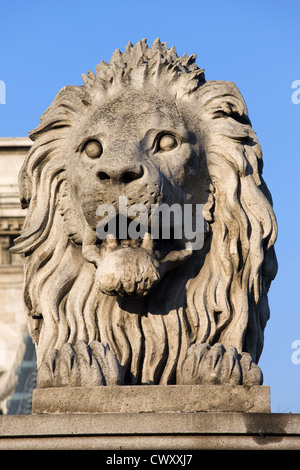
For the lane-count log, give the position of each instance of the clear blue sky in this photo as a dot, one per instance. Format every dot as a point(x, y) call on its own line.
point(46, 45)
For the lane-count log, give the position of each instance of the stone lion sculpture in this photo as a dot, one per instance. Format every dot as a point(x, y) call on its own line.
point(149, 127)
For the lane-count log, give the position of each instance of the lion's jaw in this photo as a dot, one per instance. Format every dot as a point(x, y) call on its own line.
point(132, 165)
point(127, 272)
point(131, 267)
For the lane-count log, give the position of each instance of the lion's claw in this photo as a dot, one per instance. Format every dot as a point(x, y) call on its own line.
point(205, 364)
point(252, 375)
point(80, 365)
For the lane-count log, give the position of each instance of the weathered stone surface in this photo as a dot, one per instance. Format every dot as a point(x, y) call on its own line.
point(153, 431)
point(147, 129)
point(154, 398)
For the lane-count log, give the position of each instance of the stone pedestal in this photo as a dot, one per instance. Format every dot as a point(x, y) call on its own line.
point(159, 419)
point(168, 432)
point(151, 399)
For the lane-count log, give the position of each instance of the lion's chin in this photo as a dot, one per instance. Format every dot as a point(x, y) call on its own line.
point(128, 272)
point(132, 271)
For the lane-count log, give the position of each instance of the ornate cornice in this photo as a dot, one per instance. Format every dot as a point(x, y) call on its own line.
point(11, 225)
point(15, 142)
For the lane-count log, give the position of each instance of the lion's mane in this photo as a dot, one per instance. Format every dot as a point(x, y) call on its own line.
point(223, 300)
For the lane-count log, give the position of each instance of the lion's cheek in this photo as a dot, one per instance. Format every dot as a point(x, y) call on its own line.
point(128, 272)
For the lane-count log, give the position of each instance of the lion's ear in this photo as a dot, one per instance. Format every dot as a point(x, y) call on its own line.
point(219, 99)
point(67, 104)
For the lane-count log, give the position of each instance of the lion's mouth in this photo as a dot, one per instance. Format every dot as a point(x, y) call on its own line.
point(130, 266)
point(160, 243)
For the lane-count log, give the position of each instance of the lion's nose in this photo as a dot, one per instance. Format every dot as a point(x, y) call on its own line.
point(122, 175)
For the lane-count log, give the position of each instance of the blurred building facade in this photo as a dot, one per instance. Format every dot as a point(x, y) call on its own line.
point(17, 355)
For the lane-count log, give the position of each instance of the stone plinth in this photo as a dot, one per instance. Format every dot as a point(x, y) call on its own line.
point(153, 398)
point(147, 431)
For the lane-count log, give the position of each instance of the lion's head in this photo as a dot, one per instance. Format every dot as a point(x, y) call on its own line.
point(147, 127)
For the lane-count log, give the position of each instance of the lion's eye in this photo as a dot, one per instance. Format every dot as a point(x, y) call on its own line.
point(93, 149)
point(167, 142)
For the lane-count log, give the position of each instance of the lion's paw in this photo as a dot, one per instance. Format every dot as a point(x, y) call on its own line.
point(207, 364)
point(81, 365)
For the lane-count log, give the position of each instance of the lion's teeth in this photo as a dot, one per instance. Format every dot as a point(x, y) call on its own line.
point(147, 242)
point(111, 241)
